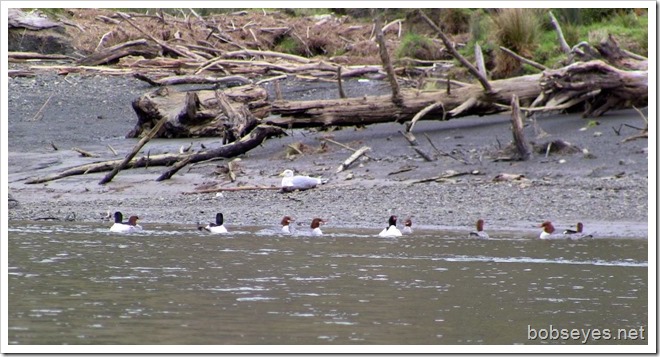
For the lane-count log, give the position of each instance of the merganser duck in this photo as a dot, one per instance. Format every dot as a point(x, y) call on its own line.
point(130, 226)
point(577, 233)
point(285, 224)
point(479, 233)
point(548, 232)
point(407, 229)
point(292, 183)
point(316, 223)
point(218, 226)
point(391, 230)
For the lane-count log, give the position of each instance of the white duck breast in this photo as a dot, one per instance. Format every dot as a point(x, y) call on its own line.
point(391, 230)
point(130, 226)
point(316, 226)
point(291, 182)
point(218, 226)
point(407, 229)
point(122, 228)
point(285, 224)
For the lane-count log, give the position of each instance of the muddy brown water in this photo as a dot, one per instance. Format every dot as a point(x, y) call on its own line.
point(80, 284)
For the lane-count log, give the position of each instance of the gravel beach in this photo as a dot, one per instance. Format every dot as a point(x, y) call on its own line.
point(606, 189)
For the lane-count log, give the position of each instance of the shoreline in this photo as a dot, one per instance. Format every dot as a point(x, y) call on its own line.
point(607, 188)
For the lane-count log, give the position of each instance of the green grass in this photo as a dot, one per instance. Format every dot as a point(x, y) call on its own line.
point(412, 45)
point(630, 31)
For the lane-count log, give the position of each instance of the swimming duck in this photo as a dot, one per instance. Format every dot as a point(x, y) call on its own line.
point(218, 226)
point(391, 230)
point(316, 224)
point(548, 232)
point(130, 226)
point(479, 233)
point(407, 229)
point(577, 234)
point(292, 183)
point(285, 224)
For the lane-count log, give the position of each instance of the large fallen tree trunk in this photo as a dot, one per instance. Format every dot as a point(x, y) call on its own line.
point(462, 101)
point(245, 144)
point(592, 87)
point(600, 85)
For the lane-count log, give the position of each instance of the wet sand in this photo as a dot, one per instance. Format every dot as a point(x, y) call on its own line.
point(608, 192)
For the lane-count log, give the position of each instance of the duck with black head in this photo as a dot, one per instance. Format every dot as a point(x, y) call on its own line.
point(218, 226)
point(391, 230)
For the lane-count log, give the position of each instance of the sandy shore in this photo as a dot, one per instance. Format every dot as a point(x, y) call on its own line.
point(607, 190)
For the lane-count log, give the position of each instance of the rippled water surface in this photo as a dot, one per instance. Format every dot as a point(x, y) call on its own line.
point(79, 284)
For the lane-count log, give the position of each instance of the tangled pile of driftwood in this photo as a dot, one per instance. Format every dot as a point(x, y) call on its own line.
point(595, 79)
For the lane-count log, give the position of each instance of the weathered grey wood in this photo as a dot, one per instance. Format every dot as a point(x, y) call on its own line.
point(522, 146)
point(387, 64)
point(208, 118)
point(475, 72)
point(134, 152)
point(245, 144)
point(560, 35)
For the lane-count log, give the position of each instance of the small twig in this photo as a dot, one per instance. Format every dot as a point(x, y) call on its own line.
point(345, 147)
point(547, 150)
point(400, 171)
point(413, 144)
point(241, 188)
point(36, 116)
point(632, 126)
point(440, 152)
point(351, 159)
point(53, 146)
point(523, 59)
point(114, 152)
point(84, 153)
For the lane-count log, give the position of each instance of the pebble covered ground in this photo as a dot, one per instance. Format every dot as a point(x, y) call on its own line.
point(607, 189)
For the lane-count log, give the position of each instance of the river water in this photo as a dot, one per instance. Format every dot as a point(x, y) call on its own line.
point(80, 284)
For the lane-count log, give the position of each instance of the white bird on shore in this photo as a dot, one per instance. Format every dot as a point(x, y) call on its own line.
point(407, 229)
point(292, 183)
point(316, 226)
point(130, 226)
point(479, 233)
point(285, 224)
point(218, 226)
point(391, 230)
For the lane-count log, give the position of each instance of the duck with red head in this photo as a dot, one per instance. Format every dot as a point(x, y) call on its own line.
point(125, 227)
point(479, 233)
point(391, 230)
point(549, 232)
point(316, 226)
point(577, 234)
point(407, 226)
point(285, 224)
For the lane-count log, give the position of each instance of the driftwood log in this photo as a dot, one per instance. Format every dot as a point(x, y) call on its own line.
point(245, 144)
point(200, 113)
point(600, 85)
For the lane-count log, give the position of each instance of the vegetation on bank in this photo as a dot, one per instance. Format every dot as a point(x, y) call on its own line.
point(527, 32)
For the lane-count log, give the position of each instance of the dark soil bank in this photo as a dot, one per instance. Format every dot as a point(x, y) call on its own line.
point(606, 189)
